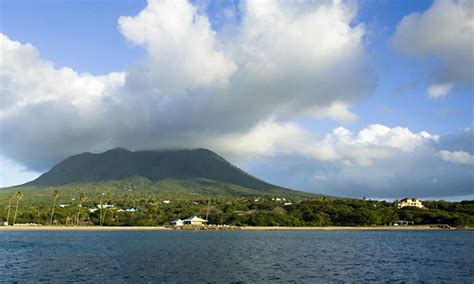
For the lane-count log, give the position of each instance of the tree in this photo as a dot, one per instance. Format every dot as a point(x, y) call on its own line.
point(9, 208)
point(82, 199)
point(55, 197)
point(108, 196)
point(18, 196)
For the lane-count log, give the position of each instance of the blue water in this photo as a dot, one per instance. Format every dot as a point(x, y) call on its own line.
point(237, 256)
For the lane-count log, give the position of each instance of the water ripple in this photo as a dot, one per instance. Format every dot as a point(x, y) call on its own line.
point(237, 257)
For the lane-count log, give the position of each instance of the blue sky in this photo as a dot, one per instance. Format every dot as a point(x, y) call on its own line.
point(388, 78)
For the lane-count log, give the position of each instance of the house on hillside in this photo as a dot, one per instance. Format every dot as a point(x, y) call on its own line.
point(194, 221)
point(410, 202)
point(105, 206)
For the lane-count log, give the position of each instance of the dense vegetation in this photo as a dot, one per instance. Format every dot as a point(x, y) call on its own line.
point(149, 188)
point(43, 207)
point(118, 164)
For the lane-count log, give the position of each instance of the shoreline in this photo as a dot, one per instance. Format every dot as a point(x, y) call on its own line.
point(354, 228)
point(247, 228)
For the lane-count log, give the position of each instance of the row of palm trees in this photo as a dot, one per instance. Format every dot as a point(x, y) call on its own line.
point(55, 195)
point(19, 197)
point(82, 200)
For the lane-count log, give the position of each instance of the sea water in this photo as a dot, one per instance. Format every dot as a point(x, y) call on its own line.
point(237, 256)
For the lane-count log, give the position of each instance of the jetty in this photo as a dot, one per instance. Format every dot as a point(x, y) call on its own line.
point(206, 228)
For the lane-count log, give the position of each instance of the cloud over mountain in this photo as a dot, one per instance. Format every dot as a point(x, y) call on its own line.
point(191, 87)
point(243, 91)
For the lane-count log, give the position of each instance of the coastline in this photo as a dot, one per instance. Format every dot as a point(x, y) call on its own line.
point(354, 228)
point(248, 228)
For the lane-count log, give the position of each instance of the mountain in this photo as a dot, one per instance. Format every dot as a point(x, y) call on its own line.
point(198, 168)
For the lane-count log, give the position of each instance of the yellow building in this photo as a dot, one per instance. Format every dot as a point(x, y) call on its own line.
point(410, 202)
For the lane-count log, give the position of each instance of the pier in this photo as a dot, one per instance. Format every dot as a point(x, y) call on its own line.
point(206, 228)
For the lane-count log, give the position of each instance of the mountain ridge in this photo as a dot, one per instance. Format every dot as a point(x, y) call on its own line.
point(121, 164)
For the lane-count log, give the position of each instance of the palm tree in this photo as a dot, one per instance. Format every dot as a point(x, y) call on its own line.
point(82, 199)
point(18, 196)
point(9, 208)
point(55, 197)
point(108, 196)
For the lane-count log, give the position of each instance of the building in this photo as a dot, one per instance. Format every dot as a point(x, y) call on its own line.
point(402, 223)
point(410, 202)
point(194, 221)
point(105, 206)
point(177, 222)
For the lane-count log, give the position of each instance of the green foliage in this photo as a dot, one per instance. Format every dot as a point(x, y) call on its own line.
point(120, 164)
point(226, 204)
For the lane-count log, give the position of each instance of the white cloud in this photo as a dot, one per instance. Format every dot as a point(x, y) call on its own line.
point(27, 80)
point(194, 85)
point(300, 57)
point(266, 138)
point(337, 111)
point(280, 60)
point(439, 90)
point(457, 157)
point(444, 31)
point(320, 178)
point(238, 91)
point(374, 162)
point(181, 46)
point(397, 137)
point(376, 142)
point(44, 110)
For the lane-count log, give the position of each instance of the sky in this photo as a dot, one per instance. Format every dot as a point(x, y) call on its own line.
point(346, 98)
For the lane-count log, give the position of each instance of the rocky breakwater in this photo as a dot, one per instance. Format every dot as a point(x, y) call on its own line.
point(206, 228)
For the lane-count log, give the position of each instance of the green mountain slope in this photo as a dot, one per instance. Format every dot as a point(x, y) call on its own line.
point(198, 171)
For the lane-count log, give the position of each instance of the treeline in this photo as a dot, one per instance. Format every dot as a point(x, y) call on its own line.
point(249, 211)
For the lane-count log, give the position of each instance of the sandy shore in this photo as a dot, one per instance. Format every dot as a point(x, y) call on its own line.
point(81, 228)
point(340, 228)
point(330, 228)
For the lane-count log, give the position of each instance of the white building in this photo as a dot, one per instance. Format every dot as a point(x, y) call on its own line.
point(194, 221)
point(177, 222)
point(410, 202)
point(104, 206)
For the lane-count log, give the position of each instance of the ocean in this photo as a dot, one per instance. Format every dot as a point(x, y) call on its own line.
point(237, 256)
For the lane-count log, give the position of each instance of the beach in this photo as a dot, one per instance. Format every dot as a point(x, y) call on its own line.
point(247, 228)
